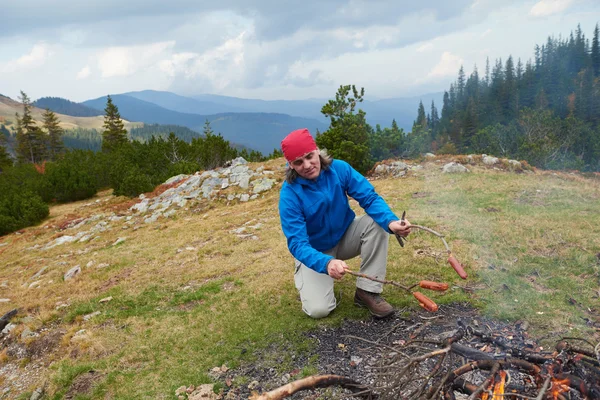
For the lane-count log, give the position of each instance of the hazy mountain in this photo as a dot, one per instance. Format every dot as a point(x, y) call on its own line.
point(67, 107)
point(383, 111)
point(175, 102)
point(259, 131)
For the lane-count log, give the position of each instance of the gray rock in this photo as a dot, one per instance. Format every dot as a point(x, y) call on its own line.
point(263, 184)
point(39, 273)
point(176, 178)
point(429, 155)
point(27, 333)
point(238, 161)
point(9, 328)
point(92, 315)
point(141, 207)
point(118, 241)
point(489, 160)
point(453, 168)
point(514, 163)
point(244, 197)
point(59, 241)
point(382, 169)
point(34, 285)
point(37, 394)
point(243, 180)
point(72, 273)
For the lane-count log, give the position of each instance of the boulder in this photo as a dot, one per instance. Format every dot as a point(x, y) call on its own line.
point(453, 168)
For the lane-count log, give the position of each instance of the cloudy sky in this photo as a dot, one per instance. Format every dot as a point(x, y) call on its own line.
point(269, 49)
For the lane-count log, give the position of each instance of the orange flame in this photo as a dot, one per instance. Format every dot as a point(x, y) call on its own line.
point(558, 387)
point(496, 387)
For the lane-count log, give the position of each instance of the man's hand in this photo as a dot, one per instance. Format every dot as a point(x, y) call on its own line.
point(401, 228)
point(336, 269)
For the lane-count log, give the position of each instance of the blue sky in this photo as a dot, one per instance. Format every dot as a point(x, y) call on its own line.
point(268, 49)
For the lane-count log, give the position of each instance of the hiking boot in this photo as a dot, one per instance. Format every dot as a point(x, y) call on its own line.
point(377, 306)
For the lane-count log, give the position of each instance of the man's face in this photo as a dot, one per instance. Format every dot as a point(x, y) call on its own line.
point(308, 166)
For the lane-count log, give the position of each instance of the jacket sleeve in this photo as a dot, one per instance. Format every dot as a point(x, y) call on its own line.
point(293, 225)
point(361, 190)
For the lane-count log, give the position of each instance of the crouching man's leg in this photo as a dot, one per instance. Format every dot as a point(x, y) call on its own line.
point(316, 291)
point(368, 239)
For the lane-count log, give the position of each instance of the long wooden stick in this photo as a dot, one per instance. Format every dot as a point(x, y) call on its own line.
point(434, 233)
point(313, 382)
point(361, 275)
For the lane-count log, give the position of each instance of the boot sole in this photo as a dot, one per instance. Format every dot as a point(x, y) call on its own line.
point(380, 316)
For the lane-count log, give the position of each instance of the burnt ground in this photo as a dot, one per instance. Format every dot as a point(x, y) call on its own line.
point(364, 349)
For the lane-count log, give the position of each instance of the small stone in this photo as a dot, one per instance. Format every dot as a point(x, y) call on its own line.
point(90, 316)
point(72, 272)
point(89, 264)
point(253, 385)
point(9, 328)
point(180, 389)
point(4, 300)
point(118, 241)
point(102, 265)
point(105, 300)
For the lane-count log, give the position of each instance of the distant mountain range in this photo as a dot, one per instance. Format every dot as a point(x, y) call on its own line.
point(382, 112)
point(256, 124)
point(256, 130)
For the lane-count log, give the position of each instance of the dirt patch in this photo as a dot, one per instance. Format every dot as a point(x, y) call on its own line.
point(113, 281)
point(420, 195)
point(83, 384)
point(45, 345)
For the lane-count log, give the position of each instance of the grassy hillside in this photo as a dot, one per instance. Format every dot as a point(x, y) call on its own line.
point(9, 107)
point(187, 293)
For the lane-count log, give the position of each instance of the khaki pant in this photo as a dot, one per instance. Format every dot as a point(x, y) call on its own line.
point(363, 237)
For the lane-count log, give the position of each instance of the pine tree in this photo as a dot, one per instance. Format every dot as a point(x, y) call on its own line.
point(348, 135)
point(596, 51)
point(55, 132)
point(435, 119)
point(207, 129)
point(421, 122)
point(115, 134)
point(5, 160)
point(31, 141)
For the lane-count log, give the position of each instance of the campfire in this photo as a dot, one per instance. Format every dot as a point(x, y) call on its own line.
point(471, 363)
point(491, 366)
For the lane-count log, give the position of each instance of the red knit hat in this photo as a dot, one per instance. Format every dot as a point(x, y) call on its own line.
point(297, 144)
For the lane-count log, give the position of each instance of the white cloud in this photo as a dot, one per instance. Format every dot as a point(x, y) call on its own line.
point(486, 32)
point(448, 65)
point(124, 61)
point(545, 8)
point(36, 58)
point(84, 73)
point(221, 65)
point(424, 47)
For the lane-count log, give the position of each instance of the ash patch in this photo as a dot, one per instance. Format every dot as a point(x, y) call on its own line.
point(356, 349)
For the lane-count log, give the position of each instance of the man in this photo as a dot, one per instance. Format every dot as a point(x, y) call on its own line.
point(322, 230)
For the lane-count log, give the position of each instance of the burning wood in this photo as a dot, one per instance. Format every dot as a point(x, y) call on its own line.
point(476, 365)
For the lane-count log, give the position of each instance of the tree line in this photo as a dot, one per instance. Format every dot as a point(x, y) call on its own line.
point(546, 111)
point(45, 171)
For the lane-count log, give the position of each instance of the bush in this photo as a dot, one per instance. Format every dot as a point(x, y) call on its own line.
point(19, 209)
point(134, 182)
point(73, 177)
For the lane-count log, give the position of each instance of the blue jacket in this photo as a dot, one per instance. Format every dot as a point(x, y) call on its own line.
point(315, 213)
